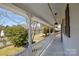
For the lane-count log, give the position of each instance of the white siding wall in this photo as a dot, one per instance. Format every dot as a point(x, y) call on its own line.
point(71, 45)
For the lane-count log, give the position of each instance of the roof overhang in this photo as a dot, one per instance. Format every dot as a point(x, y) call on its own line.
point(39, 10)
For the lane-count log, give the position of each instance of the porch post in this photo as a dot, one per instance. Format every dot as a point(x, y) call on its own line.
point(30, 37)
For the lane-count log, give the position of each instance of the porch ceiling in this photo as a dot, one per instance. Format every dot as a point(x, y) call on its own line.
point(60, 10)
point(38, 9)
point(41, 10)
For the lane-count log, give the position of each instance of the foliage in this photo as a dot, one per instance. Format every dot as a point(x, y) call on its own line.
point(13, 30)
point(1, 27)
point(17, 35)
point(20, 40)
point(51, 30)
point(45, 30)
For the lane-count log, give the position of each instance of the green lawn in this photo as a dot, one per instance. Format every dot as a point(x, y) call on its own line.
point(9, 50)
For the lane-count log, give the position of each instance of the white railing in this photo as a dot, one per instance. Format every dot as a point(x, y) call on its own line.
point(37, 48)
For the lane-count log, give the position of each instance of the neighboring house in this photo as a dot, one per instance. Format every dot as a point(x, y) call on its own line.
point(58, 27)
point(2, 33)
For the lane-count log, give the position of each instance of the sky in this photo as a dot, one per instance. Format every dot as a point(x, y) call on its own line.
point(9, 18)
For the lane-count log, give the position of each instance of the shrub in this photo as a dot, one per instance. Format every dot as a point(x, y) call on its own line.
point(20, 40)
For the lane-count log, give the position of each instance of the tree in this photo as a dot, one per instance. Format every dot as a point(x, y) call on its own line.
point(20, 40)
point(45, 30)
point(34, 27)
point(17, 35)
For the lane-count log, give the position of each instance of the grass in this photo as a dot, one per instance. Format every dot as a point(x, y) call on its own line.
point(37, 37)
point(10, 50)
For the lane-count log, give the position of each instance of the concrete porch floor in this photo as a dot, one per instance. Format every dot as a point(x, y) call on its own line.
point(54, 49)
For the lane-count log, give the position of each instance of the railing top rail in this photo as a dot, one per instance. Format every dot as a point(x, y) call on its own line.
point(42, 40)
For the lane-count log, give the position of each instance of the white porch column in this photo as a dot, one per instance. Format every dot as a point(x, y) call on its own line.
point(30, 37)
